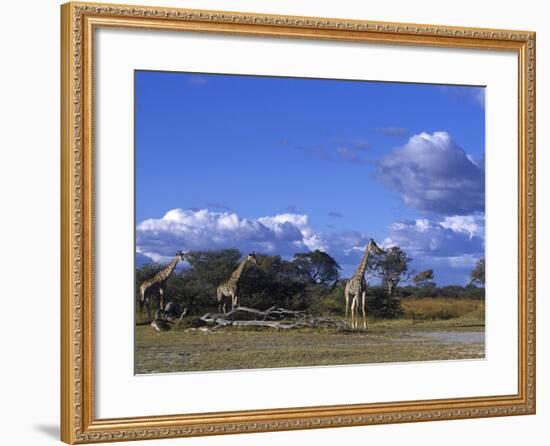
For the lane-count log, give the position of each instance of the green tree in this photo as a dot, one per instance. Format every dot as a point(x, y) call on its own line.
point(317, 267)
point(477, 275)
point(380, 304)
point(391, 267)
point(207, 270)
point(424, 279)
point(214, 266)
point(274, 281)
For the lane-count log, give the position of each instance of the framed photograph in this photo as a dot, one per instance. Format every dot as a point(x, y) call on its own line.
point(276, 223)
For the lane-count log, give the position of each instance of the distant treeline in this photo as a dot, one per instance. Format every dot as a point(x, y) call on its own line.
point(309, 281)
point(451, 291)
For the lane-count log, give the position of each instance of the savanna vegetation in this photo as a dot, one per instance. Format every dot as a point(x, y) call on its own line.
point(312, 282)
point(410, 317)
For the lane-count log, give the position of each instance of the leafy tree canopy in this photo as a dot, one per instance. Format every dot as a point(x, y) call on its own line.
point(424, 279)
point(477, 275)
point(317, 267)
point(391, 267)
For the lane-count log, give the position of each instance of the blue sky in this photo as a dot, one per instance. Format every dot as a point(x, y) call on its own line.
point(283, 165)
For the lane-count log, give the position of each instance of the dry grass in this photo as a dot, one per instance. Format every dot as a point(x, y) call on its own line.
point(431, 329)
point(432, 308)
point(237, 348)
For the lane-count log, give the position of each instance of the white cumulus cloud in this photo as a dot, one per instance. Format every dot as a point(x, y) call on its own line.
point(432, 173)
point(458, 240)
point(204, 229)
point(473, 225)
point(450, 242)
point(281, 234)
point(282, 222)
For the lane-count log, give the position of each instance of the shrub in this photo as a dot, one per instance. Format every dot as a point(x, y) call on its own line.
point(381, 305)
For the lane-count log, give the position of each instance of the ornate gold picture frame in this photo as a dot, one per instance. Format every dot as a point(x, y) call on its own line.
point(79, 23)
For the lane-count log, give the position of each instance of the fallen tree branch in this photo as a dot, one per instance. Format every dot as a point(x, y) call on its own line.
point(274, 317)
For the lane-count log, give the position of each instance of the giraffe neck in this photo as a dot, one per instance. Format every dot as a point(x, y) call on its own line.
point(360, 271)
point(165, 273)
point(237, 273)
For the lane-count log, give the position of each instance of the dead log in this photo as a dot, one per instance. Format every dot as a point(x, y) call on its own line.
point(247, 313)
point(271, 324)
point(274, 317)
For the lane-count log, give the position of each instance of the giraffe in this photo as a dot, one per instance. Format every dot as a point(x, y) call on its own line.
point(357, 286)
point(230, 288)
point(158, 284)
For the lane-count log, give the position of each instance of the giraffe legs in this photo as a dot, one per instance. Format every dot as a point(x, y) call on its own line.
point(352, 311)
point(222, 301)
point(363, 302)
point(144, 298)
point(355, 311)
point(221, 305)
point(161, 298)
point(148, 304)
point(346, 295)
point(234, 300)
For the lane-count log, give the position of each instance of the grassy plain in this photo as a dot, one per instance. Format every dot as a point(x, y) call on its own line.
point(441, 329)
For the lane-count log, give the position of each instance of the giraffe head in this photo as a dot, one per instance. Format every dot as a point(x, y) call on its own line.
point(252, 258)
point(373, 247)
point(181, 255)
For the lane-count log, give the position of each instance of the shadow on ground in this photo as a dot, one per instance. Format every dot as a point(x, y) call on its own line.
point(49, 430)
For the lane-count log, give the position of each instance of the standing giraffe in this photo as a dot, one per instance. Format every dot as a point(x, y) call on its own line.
point(158, 284)
point(230, 288)
point(357, 286)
